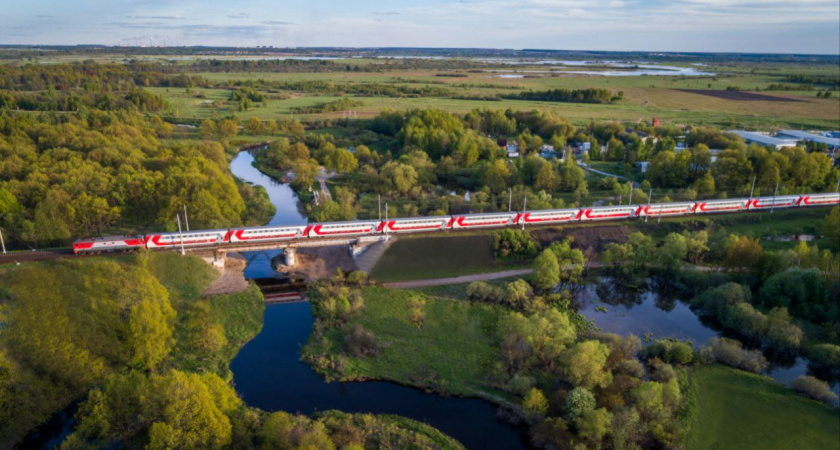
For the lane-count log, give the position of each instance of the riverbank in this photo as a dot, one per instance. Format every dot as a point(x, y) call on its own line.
point(452, 353)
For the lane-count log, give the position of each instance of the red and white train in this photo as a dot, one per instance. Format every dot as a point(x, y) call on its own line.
point(212, 238)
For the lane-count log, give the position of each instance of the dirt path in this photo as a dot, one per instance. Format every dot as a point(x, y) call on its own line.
point(232, 280)
point(458, 280)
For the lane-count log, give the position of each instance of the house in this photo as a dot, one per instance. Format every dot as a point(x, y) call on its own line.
point(512, 150)
point(548, 152)
point(642, 166)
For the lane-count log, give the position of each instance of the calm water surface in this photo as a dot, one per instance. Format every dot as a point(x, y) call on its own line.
point(268, 373)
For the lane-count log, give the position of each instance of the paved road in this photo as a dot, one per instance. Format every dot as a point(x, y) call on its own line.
point(458, 280)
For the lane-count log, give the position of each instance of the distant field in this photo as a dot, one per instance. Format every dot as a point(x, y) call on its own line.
point(737, 410)
point(676, 99)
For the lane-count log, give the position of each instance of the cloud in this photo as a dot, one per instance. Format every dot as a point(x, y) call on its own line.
point(277, 22)
point(241, 15)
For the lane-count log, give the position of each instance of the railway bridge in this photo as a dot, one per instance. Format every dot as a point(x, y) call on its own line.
point(216, 256)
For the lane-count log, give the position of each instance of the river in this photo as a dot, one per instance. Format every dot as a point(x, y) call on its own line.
point(268, 373)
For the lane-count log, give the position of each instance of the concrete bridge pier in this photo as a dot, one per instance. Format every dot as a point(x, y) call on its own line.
point(289, 254)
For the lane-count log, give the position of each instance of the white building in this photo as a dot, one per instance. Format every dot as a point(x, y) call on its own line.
point(832, 143)
point(764, 140)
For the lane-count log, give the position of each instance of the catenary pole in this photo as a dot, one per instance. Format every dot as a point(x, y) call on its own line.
point(510, 199)
point(776, 192)
point(752, 189)
point(2, 244)
point(186, 219)
point(180, 234)
point(650, 194)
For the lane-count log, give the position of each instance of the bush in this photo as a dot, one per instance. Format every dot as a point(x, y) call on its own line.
point(520, 384)
point(514, 244)
point(360, 342)
point(814, 388)
point(826, 356)
point(535, 404)
point(661, 371)
point(731, 352)
point(479, 291)
point(670, 351)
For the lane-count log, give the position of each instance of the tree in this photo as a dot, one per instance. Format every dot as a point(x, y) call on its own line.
point(342, 161)
point(535, 404)
point(814, 388)
point(696, 245)
point(584, 365)
point(546, 271)
point(594, 425)
point(578, 402)
point(228, 128)
point(271, 127)
point(496, 175)
point(150, 323)
point(401, 177)
point(672, 252)
point(208, 129)
point(360, 342)
point(546, 178)
point(54, 216)
point(415, 311)
point(571, 261)
point(254, 125)
point(830, 227)
point(185, 413)
point(742, 252)
point(544, 335)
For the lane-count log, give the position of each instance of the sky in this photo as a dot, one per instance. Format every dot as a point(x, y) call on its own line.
point(765, 26)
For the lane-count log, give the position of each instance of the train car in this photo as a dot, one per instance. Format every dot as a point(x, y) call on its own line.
point(548, 216)
point(482, 220)
point(721, 206)
point(607, 213)
point(190, 239)
point(332, 229)
point(665, 209)
point(269, 233)
point(414, 224)
point(108, 244)
point(786, 201)
point(819, 199)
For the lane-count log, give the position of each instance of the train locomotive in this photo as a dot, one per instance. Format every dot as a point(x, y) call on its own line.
point(233, 236)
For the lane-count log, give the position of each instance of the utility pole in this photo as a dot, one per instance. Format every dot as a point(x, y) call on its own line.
point(180, 234)
point(2, 244)
point(379, 201)
point(186, 219)
point(776, 192)
point(386, 219)
point(753, 187)
point(630, 202)
point(650, 194)
point(837, 188)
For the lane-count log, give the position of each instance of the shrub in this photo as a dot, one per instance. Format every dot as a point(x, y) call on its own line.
point(661, 371)
point(360, 342)
point(670, 351)
point(826, 356)
point(731, 352)
point(514, 244)
point(814, 388)
point(480, 291)
point(520, 384)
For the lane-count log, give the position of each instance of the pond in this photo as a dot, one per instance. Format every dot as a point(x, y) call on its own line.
point(268, 373)
point(647, 311)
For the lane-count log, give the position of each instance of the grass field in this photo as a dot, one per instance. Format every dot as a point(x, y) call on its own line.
point(737, 410)
point(437, 257)
point(645, 96)
point(457, 342)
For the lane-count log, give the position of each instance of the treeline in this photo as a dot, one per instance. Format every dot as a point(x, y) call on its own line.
point(343, 104)
point(80, 174)
point(591, 95)
point(834, 82)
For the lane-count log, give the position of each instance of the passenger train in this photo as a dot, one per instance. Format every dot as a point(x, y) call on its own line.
point(210, 238)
